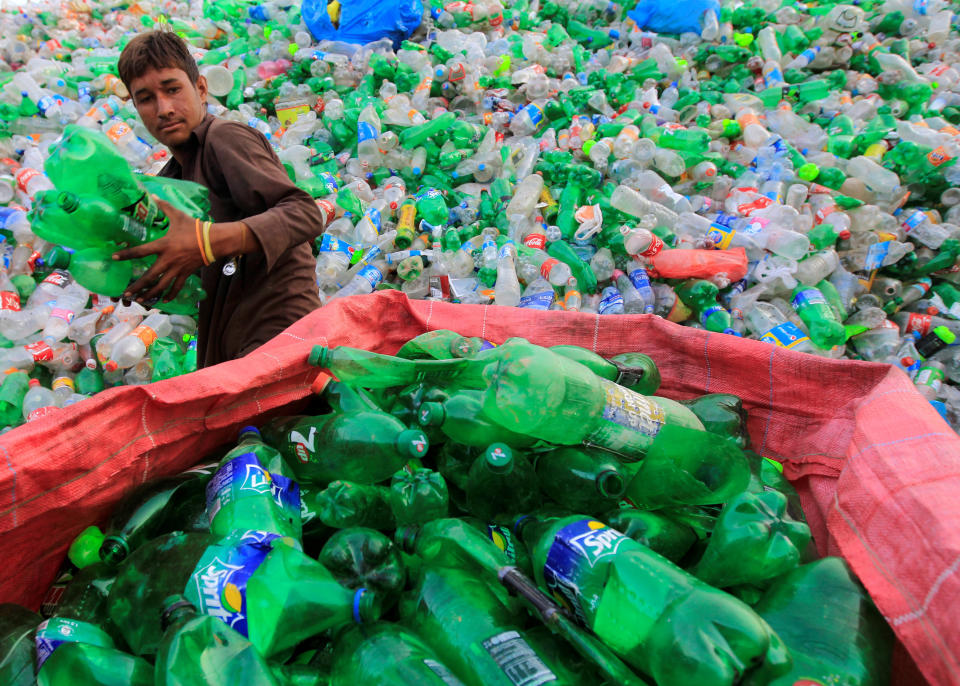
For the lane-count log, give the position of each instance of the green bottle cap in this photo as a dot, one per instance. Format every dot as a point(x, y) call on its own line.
point(945, 335)
point(431, 414)
point(319, 356)
point(808, 172)
point(499, 457)
point(412, 443)
point(83, 550)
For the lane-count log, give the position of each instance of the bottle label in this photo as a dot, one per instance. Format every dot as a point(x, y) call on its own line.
point(65, 315)
point(286, 494)
point(56, 631)
point(576, 550)
point(626, 409)
point(518, 660)
point(656, 245)
point(57, 278)
point(371, 275)
point(535, 114)
point(502, 537)
point(117, 131)
point(547, 267)
point(640, 279)
point(63, 382)
point(40, 351)
point(373, 214)
point(333, 244)
point(24, 176)
point(535, 240)
point(808, 297)
point(611, 302)
point(241, 477)
point(143, 210)
point(918, 322)
point(218, 585)
point(876, 254)
point(913, 220)
point(720, 236)
point(366, 132)
point(929, 376)
point(10, 301)
point(537, 301)
point(146, 335)
point(709, 312)
point(786, 335)
point(442, 672)
point(41, 412)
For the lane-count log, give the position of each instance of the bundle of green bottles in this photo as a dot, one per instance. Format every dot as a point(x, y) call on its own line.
point(462, 513)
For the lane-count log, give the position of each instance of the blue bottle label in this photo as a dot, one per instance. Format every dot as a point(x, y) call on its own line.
point(576, 550)
point(373, 214)
point(535, 114)
point(611, 302)
point(241, 477)
point(786, 335)
point(709, 312)
point(876, 254)
point(537, 301)
point(807, 298)
point(366, 132)
point(218, 585)
point(286, 494)
point(333, 244)
point(913, 220)
point(640, 279)
point(54, 632)
point(720, 236)
point(371, 275)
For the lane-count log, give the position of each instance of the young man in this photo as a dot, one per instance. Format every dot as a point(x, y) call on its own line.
point(260, 276)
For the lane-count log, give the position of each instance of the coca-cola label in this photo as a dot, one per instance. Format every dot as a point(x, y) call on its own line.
point(41, 412)
point(24, 176)
point(547, 267)
point(57, 278)
point(40, 351)
point(9, 301)
point(918, 322)
point(535, 240)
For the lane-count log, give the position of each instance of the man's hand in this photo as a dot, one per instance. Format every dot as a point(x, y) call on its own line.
point(178, 256)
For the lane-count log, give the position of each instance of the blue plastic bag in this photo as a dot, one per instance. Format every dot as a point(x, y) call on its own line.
point(364, 21)
point(671, 16)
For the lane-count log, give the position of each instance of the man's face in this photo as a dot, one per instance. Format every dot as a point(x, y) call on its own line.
point(169, 104)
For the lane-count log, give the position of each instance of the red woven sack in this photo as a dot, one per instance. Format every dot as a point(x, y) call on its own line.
point(877, 469)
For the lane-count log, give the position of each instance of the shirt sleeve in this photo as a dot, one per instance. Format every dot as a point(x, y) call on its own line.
point(256, 179)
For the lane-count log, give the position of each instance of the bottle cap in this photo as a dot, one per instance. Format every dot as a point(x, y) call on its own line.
point(318, 356)
point(945, 335)
point(431, 414)
point(110, 366)
point(252, 430)
point(34, 383)
point(412, 443)
point(499, 457)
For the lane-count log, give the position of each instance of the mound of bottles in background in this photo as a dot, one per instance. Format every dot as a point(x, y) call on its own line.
point(786, 175)
point(441, 520)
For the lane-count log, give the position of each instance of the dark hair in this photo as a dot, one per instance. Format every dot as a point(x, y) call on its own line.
point(156, 50)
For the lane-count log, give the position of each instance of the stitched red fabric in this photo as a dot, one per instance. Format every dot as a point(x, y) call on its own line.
point(876, 467)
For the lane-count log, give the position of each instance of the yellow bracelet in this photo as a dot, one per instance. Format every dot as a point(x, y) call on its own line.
point(206, 242)
point(203, 255)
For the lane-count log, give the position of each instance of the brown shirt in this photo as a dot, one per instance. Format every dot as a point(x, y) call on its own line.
point(270, 290)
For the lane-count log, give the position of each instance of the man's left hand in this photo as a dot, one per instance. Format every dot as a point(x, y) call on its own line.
point(178, 256)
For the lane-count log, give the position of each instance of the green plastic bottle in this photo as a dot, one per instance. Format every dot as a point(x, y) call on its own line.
point(81, 222)
point(825, 330)
point(363, 447)
point(363, 558)
point(656, 530)
point(723, 414)
point(658, 618)
point(17, 651)
point(241, 496)
point(14, 388)
point(418, 495)
point(501, 483)
point(753, 541)
point(549, 397)
point(147, 511)
point(259, 585)
point(582, 480)
point(201, 649)
point(830, 625)
point(479, 637)
point(689, 467)
point(372, 370)
point(460, 418)
point(74, 652)
point(701, 297)
point(389, 654)
point(345, 504)
point(87, 163)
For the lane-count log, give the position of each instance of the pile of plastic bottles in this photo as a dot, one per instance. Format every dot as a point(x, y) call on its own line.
point(420, 527)
point(786, 174)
